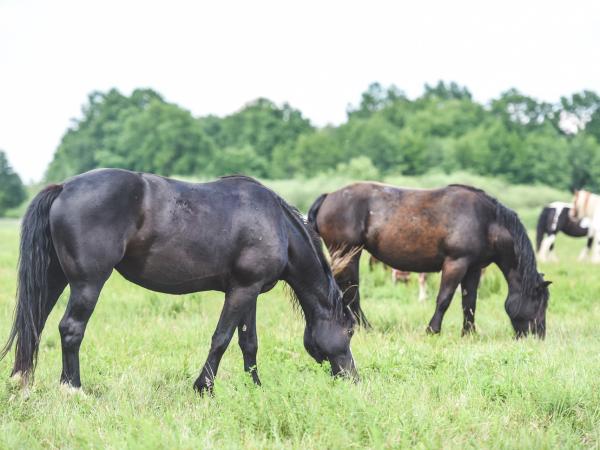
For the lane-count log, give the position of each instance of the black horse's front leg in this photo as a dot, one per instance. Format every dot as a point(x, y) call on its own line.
point(237, 303)
point(248, 341)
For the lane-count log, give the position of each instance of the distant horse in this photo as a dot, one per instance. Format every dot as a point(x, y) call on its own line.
point(457, 229)
point(587, 206)
point(404, 277)
point(232, 235)
point(556, 217)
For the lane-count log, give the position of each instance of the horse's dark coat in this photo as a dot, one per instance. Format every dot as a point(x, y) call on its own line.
point(457, 229)
point(232, 235)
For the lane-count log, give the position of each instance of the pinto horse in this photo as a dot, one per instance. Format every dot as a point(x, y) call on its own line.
point(554, 218)
point(457, 229)
point(232, 235)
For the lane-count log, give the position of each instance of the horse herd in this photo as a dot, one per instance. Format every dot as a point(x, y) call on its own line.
point(236, 236)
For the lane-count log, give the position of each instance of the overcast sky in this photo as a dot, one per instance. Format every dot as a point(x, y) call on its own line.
point(214, 56)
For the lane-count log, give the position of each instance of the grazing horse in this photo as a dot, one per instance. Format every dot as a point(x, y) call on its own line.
point(556, 217)
point(457, 229)
point(587, 206)
point(403, 277)
point(232, 235)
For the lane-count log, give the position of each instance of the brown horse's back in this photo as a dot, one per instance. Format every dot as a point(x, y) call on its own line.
point(409, 229)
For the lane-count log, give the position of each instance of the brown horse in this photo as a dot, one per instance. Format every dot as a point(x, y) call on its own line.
point(457, 229)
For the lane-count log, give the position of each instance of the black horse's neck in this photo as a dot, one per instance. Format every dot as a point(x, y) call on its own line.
point(313, 286)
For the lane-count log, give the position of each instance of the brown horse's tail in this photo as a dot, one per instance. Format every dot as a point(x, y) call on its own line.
point(314, 210)
point(35, 258)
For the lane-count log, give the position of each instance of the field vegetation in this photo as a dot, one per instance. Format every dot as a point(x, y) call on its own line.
point(143, 350)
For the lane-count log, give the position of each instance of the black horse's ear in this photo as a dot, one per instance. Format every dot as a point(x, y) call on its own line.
point(546, 283)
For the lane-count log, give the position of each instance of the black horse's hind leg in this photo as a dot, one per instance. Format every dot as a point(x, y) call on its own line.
point(453, 272)
point(469, 285)
point(238, 302)
point(84, 295)
point(249, 342)
point(348, 281)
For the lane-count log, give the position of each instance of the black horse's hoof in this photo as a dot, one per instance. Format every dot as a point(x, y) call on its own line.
point(468, 331)
point(204, 387)
point(431, 331)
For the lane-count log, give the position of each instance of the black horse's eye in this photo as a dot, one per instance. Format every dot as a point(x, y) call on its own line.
point(350, 332)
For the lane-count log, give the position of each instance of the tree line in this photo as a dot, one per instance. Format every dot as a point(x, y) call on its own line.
point(513, 136)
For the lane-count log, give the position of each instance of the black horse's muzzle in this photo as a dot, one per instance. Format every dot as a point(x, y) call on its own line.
point(344, 366)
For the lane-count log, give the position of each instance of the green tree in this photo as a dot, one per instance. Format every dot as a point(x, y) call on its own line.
point(260, 125)
point(166, 139)
point(374, 99)
point(12, 191)
point(93, 140)
point(519, 112)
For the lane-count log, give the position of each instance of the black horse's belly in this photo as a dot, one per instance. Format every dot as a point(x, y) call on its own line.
point(170, 279)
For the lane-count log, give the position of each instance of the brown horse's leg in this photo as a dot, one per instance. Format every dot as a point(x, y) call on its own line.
point(249, 342)
point(453, 272)
point(469, 285)
point(238, 302)
point(348, 282)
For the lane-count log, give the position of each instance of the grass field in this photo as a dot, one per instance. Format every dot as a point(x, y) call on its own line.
point(143, 350)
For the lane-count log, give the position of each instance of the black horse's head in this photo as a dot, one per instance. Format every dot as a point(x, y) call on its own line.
point(527, 309)
point(328, 338)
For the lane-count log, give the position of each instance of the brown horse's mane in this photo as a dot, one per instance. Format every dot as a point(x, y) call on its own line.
point(315, 241)
point(523, 249)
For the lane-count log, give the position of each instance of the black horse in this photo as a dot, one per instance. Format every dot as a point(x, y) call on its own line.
point(458, 230)
point(232, 235)
point(554, 218)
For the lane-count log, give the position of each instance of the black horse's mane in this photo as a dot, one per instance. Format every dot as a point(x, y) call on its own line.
point(523, 249)
point(314, 239)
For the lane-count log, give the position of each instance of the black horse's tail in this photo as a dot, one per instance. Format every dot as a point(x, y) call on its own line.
point(36, 255)
point(314, 210)
point(541, 227)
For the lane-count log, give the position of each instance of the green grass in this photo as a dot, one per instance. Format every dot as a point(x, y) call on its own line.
point(143, 350)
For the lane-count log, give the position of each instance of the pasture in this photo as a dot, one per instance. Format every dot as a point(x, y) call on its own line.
point(142, 352)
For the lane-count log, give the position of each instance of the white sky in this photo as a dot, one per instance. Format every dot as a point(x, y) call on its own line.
point(214, 56)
